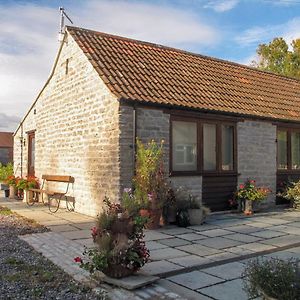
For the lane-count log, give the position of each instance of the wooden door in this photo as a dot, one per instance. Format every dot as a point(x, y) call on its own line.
point(31, 153)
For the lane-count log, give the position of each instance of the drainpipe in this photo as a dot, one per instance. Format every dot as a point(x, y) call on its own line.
point(21, 141)
point(134, 122)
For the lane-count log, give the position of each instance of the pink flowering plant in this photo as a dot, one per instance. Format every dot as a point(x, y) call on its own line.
point(249, 191)
point(119, 246)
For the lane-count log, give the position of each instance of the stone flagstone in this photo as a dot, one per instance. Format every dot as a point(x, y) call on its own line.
point(190, 261)
point(195, 280)
point(132, 282)
point(153, 245)
point(151, 235)
point(199, 250)
point(267, 234)
point(192, 236)
point(166, 253)
point(175, 242)
point(216, 232)
point(159, 267)
point(230, 290)
point(218, 243)
point(227, 271)
point(246, 229)
point(245, 238)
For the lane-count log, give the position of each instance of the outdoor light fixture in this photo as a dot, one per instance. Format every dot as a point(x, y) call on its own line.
point(22, 141)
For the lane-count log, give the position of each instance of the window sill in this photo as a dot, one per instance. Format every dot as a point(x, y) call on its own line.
point(208, 174)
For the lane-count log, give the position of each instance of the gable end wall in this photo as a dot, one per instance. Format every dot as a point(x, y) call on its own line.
point(77, 131)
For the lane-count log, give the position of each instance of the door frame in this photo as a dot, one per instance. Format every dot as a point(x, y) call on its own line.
point(30, 136)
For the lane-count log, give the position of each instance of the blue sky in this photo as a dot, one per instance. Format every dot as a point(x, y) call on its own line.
point(228, 29)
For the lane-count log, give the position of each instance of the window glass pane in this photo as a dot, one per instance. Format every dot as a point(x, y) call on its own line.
point(209, 147)
point(295, 144)
point(4, 156)
point(282, 149)
point(32, 152)
point(184, 146)
point(227, 147)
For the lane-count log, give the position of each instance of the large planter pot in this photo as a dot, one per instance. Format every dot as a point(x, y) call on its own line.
point(28, 197)
point(195, 216)
point(117, 271)
point(12, 192)
point(171, 214)
point(154, 219)
point(123, 225)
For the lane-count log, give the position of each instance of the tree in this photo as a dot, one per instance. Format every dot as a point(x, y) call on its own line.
point(277, 58)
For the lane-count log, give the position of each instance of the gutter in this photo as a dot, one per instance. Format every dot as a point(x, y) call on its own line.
point(45, 85)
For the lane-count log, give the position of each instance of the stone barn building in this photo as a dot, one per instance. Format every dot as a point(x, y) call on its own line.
point(222, 122)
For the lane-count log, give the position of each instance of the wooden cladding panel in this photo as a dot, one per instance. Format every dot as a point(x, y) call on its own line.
point(217, 190)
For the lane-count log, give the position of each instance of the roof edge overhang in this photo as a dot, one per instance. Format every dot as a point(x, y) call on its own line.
point(45, 85)
point(169, 108)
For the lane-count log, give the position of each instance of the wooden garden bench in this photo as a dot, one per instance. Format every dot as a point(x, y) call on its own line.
point(54, 197)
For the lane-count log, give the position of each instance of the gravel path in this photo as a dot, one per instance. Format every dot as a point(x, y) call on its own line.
point(24, 273)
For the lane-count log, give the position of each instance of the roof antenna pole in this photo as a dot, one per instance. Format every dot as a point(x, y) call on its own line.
point(62, 23)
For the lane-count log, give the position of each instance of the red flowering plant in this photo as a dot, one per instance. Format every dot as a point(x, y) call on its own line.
point(249, 193)
point(119, 246)
point(11, 180)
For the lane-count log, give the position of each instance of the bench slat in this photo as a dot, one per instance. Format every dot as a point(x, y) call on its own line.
point(59, 178)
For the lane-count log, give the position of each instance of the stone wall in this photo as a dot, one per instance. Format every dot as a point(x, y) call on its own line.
point(76, 119)
point(257, 154)
point(151, 124)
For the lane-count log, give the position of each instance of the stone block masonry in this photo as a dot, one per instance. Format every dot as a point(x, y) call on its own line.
point(257, 154)
point(76, 123)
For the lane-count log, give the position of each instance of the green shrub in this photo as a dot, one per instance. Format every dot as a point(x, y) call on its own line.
point(292, 193)
point(6, 171)
point(274, 277)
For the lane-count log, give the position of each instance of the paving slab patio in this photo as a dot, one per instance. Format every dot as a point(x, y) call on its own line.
point(222, 240)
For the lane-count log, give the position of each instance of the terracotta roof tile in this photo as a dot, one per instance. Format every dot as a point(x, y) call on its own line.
point(151, 73)
point(6, 139)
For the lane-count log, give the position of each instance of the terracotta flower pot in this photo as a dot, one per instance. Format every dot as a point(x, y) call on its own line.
point(145, 213)
point(117, 271)
point(155, 215)
point(12, 192)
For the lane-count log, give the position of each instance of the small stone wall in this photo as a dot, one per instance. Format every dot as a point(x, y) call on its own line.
point(257, 154)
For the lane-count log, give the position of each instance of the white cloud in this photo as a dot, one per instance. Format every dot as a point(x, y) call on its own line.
point(284, 2)
point(221, 5)
point(257, 35)
point(8, 122)
point(28, 39)
point(155, 23)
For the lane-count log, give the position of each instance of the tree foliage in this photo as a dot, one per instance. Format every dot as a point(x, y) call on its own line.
point(279, 58)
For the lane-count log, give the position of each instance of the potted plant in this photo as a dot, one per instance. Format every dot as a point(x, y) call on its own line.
point(192, 206)
point(5, 172)
point(292, 193)
point(21, 185)
point(150, 184)
point(32, 183)
point(250, 197)
point(170, 208)
point(272, 279)
point(118, 235)
point(11, 181)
